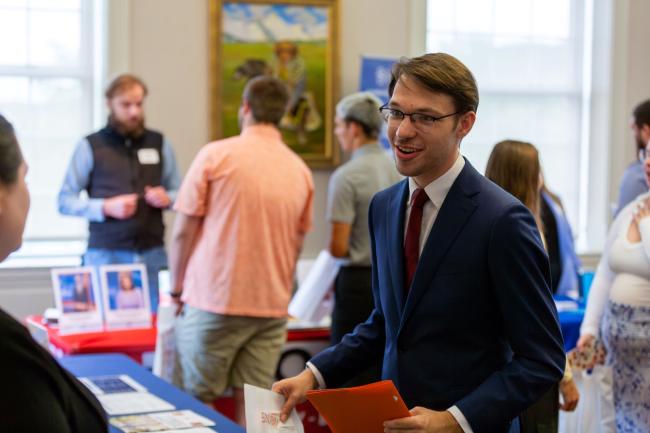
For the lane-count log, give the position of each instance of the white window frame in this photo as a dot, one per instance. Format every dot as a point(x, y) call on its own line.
point(38, 251)
point(594, 207)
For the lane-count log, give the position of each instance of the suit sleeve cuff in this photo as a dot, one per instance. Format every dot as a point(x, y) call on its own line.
point(317, 375)
point(460, 419)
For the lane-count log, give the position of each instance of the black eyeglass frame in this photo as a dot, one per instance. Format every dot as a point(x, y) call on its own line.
point(385, 112)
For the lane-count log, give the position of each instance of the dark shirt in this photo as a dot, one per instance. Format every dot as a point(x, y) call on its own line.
point(36, 393)
point(552, 243)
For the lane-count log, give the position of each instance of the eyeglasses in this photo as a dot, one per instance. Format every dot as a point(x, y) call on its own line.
point(419, 120)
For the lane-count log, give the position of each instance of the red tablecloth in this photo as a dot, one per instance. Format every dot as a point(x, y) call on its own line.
point(131, 342)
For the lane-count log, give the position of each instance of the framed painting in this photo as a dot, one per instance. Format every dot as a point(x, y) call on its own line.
point(294, 40)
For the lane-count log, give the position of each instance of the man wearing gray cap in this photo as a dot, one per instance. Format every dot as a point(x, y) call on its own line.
point(369, 170)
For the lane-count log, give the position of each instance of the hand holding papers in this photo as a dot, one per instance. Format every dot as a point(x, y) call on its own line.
point(359, 409)
point(263, 412)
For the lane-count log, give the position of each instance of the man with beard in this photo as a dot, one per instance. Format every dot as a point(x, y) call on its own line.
point(129, 173)
point(633, 182)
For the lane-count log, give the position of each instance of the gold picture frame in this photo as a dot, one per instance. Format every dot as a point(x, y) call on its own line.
point(296, 40)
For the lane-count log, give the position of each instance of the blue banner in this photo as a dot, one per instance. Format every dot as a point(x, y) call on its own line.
point(375, 77)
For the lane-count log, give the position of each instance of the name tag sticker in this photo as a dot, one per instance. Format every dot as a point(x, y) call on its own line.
point(148, 156)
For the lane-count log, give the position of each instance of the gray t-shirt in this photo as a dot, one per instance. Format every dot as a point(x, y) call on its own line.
point(351, 187)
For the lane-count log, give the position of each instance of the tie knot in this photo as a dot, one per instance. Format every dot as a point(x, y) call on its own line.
point(419, 198)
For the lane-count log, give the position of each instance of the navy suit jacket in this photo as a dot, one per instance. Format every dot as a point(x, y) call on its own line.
point(478, 328)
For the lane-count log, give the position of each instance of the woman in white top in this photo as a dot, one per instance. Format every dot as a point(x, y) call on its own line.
point(618, 310)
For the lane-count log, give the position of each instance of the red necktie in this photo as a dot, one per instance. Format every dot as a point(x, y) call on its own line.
point(412, 243)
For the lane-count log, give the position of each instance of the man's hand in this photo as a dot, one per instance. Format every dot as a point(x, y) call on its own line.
point(156, 196)
point(176, 300)
point(294, 390)
point(570, 395)
point(424, 421)
point(121, 207)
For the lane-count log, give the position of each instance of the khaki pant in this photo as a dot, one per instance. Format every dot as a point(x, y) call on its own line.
point(215, 351)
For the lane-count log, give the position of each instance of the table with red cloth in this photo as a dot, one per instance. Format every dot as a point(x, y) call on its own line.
point(303, 341)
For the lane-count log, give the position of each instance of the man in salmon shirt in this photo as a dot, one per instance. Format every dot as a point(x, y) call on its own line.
point(243, 210)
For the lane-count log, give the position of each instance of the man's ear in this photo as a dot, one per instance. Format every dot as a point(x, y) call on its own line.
point(245, 106)
point(3, 195)
point(357, 130)
point(465, 124)
point(645, 133)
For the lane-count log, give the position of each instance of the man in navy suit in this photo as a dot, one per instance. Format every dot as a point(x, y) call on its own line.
point(464, 318)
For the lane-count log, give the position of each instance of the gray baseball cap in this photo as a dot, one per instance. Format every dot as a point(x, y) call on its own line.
point(362, 107)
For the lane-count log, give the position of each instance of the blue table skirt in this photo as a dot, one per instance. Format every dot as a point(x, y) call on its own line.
point(570, 322)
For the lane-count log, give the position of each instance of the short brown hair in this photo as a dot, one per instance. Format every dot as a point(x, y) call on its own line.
point(441, 73)
point(642, 114)
point(123, 82)
point(268, 98)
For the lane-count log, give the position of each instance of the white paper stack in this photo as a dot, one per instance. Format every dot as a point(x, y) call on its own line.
point(306, 304)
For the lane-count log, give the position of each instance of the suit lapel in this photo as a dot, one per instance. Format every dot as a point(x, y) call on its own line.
point(456, 210)
point(395, 226)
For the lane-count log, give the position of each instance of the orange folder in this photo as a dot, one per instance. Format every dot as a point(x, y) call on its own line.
point(359, 409)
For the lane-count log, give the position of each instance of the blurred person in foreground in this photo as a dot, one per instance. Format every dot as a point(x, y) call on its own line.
point(36, 393)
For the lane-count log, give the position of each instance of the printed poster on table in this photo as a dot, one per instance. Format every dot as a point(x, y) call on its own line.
point(77, 297)
point(126, 296)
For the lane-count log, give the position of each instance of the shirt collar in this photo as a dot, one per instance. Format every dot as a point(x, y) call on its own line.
point(267, 130)
point(438, 189)
point(366, 149)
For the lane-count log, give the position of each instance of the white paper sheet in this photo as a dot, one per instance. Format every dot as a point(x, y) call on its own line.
point(192, 430)
point(566, 305)
point(161, 421)
point(121, 383)
point(164, 358)
point(263, 412)
point(125, 403)
point(306, 303)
